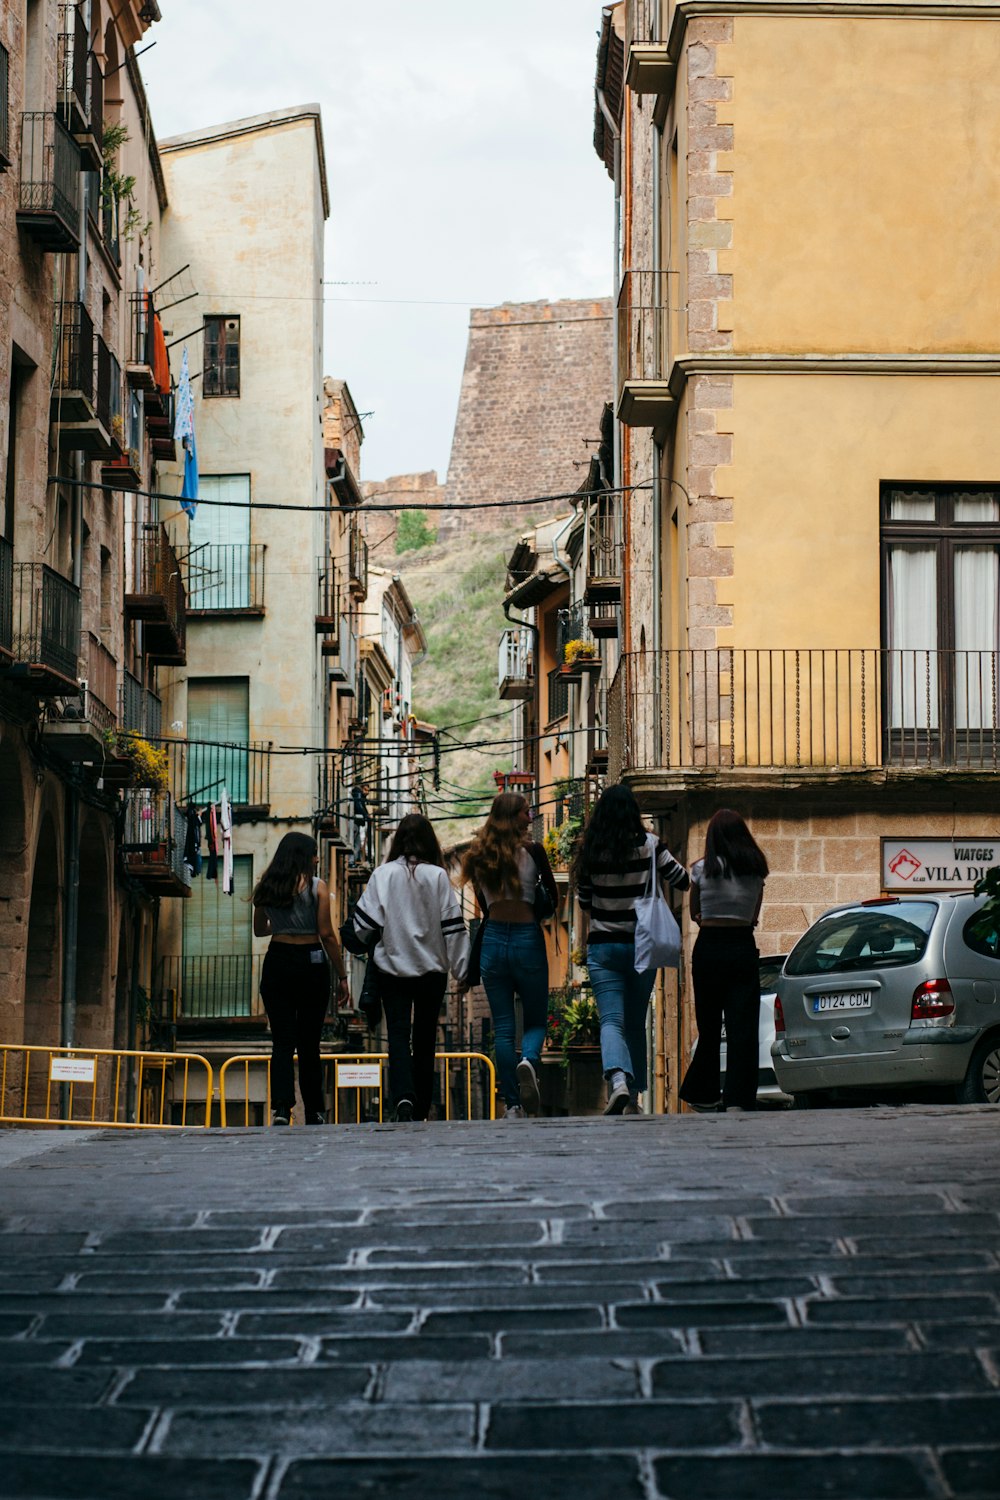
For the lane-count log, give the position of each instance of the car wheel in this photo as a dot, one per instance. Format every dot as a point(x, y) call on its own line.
point(817, 1099)
point(981, 1084)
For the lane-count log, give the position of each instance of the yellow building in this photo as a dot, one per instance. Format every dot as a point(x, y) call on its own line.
point(807, 385)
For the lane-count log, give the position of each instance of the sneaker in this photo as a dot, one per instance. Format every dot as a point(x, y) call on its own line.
point(527, 1084)
point(514, 1112)
point(404, 1111)
point(617, 1099)
point(632, 1107)
point(317, 1119)
point(705, 1109)
point(281, 1117)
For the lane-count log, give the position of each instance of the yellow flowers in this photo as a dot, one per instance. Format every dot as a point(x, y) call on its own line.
point(150, 767)
point(574, 650)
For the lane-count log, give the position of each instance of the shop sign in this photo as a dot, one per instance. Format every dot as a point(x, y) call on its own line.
point(937, 864)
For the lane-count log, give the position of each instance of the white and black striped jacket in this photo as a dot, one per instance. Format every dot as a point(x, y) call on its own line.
point(416, 911)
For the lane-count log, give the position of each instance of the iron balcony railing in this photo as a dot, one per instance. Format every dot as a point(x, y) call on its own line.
point(597, 728)
point(108, 399)
point(100, 672)
point(201, 769)
point(75, 369)
point(357, 564)
point(139, 709)
point(643, 21)
point(215, 986)
point(109, 227)
point(141, 330)
point(327, 597)
point(605, 554)
point(6, 596)
point(72, 67)
point(157, 594)
point(515, 663)
point(571, 625)
point(558, 696)
point(46, 619)
point(95, 107)
point(49, 198)
point(153, 835)
point(228, 576)
point(644, 326)
point(4, 109)
point(334, 808)
point(808, 709)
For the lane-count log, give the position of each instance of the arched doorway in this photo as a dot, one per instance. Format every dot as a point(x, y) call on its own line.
point(43, 958)
point(92, 948)
point(13, 882)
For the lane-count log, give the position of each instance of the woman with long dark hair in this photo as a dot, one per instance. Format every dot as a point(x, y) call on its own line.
point(505, 866)
point(409, 906)
point(293, 906)
point(727, 888)
point(611, 870)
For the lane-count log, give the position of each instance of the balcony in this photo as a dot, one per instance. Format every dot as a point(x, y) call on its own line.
point(78, 733)
point(603, 621)
point(200, 769)
point(357, 565)
point(649, 68)
point(6, 602)
point(4, 109)
point(48, 207)
point(605, 555)
point(156, 596)
point(226, 579)
point(813, 714)
point(110, 236)
point(139, 710)
point(72, 79)
point(152, 843)
point(211, 987)
point(160, 427)
point(73, 391)
point(515, 668)
point(327, 619)
point(643, 331)
point(597, 732)
point(139, 364)
point(557, 702)
point(333, 803)
point(45, 632)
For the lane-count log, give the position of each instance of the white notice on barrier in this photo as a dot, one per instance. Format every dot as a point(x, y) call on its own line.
point(359, 1075)
point(72, 1069)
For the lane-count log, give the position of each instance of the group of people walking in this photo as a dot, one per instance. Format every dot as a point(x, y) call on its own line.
point(410, 923)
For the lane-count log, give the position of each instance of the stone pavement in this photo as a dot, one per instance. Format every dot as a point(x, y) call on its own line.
point(698, 1308)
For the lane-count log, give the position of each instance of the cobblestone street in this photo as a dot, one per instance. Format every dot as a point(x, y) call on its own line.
point(696, 1308)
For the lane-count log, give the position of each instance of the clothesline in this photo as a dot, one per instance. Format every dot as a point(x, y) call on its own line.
point(211, 824)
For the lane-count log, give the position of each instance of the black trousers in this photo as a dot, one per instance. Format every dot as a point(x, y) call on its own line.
point(412, 1007)
point(726, 975)
point(295, 989)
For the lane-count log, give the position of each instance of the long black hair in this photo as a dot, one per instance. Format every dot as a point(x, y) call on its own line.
point(613, 833)
point(292, 860)
point(730, 847)
point(415, 839)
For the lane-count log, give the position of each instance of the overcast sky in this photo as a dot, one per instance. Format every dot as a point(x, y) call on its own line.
point(458, 143)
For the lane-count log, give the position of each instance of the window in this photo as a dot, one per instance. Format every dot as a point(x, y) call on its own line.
point(219, 720)
point(221, 371)
point(217, 978)
point(941, 613)
point(219, 555)
point(4, 110)
point(865, 938)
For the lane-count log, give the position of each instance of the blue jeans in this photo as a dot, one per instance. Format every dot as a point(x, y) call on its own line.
point(622, 998)
point(514, 960)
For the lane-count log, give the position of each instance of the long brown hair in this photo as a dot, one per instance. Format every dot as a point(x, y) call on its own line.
point(415, 839)
point(292, 860)
point(730, 847)
point(491, 859)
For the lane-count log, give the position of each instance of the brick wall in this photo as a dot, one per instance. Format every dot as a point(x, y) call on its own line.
point(537, 375)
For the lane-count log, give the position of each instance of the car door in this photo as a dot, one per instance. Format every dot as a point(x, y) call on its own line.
point(972, 962)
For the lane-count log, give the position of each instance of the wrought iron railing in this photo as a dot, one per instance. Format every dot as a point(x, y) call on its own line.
point(558, 695)
point(71, 81)
point(157, 574)
point(804, 709)
point(46, 619)
point(605, 553)
point(75, 369)
point(643, 21)
point(571, 625)
point(201, 769)
point(229, 576)
point(100, 672)
point(357, 565)
point(6, 594)
point(153, 834)
point(216, 986)
point(95, 104)
point(140, 350)
point(109, 225)
point(597, 729)
point(334, 807)
point(4, 109)
point(108, 383)
point(139, 710)
point(50, 171)
point(327, 595)
point(643, 326)
point(515, 661)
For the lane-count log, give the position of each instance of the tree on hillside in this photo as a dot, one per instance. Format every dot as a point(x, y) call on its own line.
point(413, 531)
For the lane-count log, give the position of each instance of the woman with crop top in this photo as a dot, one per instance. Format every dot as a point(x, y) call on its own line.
point(293, 907)
point(727, 888)
point(411, 911)
point(505, 867)
point(611, 871)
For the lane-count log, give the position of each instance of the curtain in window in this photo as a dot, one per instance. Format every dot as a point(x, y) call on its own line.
point(218, 712)
point(912, 665)
point(977, 583)
point(219, 535)
point(217, 978)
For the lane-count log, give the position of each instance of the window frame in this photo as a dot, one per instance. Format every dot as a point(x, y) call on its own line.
point(216, 383)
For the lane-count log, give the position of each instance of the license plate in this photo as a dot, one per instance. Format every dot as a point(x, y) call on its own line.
point(844, 1000)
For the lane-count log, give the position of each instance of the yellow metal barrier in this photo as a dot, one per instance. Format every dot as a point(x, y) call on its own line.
point(353, 1059)
point(99, 1077)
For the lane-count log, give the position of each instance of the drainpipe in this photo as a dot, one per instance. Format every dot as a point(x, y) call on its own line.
point(615, 129)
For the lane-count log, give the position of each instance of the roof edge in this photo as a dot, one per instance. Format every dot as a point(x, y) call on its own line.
point(209, 134)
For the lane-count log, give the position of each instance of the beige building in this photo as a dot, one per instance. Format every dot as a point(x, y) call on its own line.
point(87, 617)
point(807, 382)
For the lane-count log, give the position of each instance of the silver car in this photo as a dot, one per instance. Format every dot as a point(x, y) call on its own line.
point(891, 994)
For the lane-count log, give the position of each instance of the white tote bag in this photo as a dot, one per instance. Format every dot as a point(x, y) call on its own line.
point(657, 935)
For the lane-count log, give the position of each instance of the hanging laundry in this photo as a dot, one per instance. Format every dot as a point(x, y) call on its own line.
point(226, 824)
point(161, 360)
point(192, 841)
point(184, 433)
point(212, 840)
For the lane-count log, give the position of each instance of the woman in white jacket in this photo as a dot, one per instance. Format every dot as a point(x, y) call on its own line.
point(410, 904)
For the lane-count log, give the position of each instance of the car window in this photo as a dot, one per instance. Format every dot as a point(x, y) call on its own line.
point(981, 933)
point(866, 937)
point(770, 968)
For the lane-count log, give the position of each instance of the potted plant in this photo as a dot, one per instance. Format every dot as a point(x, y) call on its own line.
point(560, 841)
point(149, 767)
point(574, 1031)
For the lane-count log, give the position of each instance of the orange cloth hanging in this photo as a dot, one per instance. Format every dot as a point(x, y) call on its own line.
point(161, 362)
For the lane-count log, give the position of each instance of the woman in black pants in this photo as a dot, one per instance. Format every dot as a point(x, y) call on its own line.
point(727, 888)
point(411, 911)
point(292, 905)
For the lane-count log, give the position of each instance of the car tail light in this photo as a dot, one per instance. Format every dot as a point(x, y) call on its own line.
point(779, 1016)
point(934, 998)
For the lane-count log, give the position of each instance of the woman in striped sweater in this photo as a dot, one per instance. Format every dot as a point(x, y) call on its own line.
point(611, 872)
